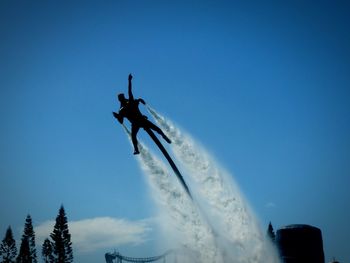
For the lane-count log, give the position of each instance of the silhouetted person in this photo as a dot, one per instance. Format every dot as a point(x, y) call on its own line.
point(129, 108)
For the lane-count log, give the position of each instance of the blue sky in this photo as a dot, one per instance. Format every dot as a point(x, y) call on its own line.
point(263, 85)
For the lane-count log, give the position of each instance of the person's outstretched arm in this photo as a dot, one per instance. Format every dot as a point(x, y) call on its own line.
point(131, 97)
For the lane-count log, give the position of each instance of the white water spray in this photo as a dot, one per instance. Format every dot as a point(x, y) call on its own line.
point(235, 224)
point(181, 220)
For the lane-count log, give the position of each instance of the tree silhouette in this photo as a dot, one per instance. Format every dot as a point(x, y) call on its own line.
point(8, 250)
point(47, 252)
point(24, 252)
point(270, 233)
point(28, 237)
point(62, 246)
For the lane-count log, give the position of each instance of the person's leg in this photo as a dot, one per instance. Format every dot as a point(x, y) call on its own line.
point(134, 130)
point(157, 129)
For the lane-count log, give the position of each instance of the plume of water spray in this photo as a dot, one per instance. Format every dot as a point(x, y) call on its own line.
point(226, 205)
point(182, 220)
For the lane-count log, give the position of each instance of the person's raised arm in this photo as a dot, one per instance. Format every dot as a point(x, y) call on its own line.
point(131, 97)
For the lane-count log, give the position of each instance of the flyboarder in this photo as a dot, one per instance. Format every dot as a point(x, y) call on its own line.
point(129, 108)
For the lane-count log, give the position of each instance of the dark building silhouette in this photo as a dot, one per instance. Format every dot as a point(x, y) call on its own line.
point(300, 244)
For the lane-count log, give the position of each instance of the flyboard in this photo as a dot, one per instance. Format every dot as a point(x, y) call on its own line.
point(171, 162)
point(166, 155)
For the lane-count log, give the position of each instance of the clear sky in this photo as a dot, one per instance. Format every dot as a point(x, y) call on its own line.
point(264, 85)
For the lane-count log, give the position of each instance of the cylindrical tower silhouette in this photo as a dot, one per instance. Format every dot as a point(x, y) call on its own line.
point(300, 244)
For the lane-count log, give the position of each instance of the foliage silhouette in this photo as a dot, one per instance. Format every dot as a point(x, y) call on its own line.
point(24, 252)
point(271, 233)
point(28, 237)
point(47, 251)
point(62, 245)
point(8, 250)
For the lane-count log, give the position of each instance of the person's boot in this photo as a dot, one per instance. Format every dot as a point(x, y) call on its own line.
point(136, 152)
point(166, 138)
